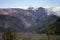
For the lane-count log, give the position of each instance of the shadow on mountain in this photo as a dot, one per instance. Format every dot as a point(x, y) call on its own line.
point(7, 21)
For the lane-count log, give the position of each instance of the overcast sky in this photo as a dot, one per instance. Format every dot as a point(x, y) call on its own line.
point(27, 3)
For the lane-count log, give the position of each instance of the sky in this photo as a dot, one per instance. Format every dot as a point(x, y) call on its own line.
point(27, 3)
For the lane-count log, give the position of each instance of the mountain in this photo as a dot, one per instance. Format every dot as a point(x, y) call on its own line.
point(57, 25)
point(41, 25)
point(54, 28)
point(32, 19)
point(28, 16)
point(7, 21)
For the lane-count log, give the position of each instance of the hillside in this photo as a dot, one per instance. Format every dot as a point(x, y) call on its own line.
point(7, 21)
point(33, 20)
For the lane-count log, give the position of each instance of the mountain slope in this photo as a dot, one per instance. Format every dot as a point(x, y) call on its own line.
point(32, 19)
point(10, 21)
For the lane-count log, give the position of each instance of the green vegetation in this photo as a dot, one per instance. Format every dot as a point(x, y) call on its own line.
point(27, 38)
point(53, 30)
point(9, 35)
point(43, 39)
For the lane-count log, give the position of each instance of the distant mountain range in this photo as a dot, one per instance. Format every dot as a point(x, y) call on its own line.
point(30, 20)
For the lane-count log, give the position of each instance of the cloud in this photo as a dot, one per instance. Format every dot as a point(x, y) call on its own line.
point(22, 7)
point(54, 10)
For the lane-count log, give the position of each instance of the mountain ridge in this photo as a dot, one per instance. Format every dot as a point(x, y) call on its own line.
point(30, 18)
